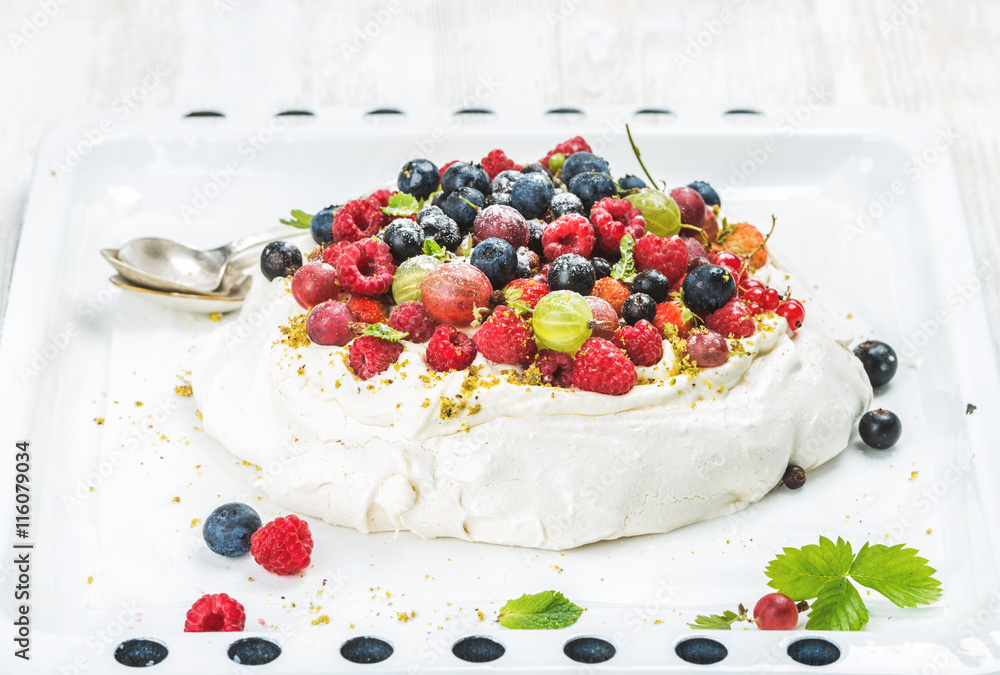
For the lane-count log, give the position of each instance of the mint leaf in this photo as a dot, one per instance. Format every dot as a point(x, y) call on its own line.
point(435, 250)
point(624, 270)
point(299, 219)
point(401, 205)
point(724, 621)
point(545, 610)
point(897, 573)
point(800, 573)
point(838, 606)
point(380, 330)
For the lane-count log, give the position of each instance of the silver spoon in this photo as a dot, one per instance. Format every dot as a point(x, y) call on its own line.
point(166, 265)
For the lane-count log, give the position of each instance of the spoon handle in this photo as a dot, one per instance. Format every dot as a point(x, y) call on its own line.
point(252, 240)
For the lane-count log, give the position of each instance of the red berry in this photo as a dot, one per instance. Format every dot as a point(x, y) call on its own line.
point(502, 222)
point(668, 256)
point(730, 261)
point(567, 148)
point(776, 611)
point(613, 219)
point(412, 318)
point(672, 313)
point(602, 367)
point(531, 291)
point(642, 342)
point(694, 247)
point(314, 283)
point(358, 219)
point(751, 283)
point(215, 613)
point(497, 161)
point(505, 338)
point(771, 299)
point(605, 317)
point(283, 545)
point(707, 350)
point(453, 293)
point(369, 356)
point(450, 349)
point(793, 312)
point(733, 320)
point(556, 367)
point(568, 234)
point(611, 291)
point(366, 268)
point(329, 323)
point(754, 294)
point(754, 308)
point(691, 204)
point(331, 255)
point(367, 310)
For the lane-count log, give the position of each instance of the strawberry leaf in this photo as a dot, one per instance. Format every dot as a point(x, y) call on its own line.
point(800, 573)
point(722, 621)
point(838, 606)
point(897, 573)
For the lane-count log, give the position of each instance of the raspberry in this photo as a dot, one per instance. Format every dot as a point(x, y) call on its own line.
point(412, 318)
point(450, 349)
point(602, 367)
point(369, 356)
point(612, 291)
point(367, 310)
point(555, 367)
point(733, 319)
point(672, 313)
point(382, 197)
point(366, 268)
point(214, 613)
point(668, 256)
point(283, 545)
point(528, 291)
point(568, 234)
point(357, 220)
point(331, 256)
point(743, 241)
point(498, 161)
point(445, 167)
point(505, 338)
point(642, 342)
point(612, 219)
point(573, 145)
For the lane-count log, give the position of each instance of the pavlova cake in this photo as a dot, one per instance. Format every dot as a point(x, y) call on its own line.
point(538, 356)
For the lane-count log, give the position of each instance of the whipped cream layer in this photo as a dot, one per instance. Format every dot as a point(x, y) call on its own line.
point(487, 459)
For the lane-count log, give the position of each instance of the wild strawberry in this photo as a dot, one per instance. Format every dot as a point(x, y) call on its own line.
point(612, 219)
point(671, 313)
point(743, 241)
point(369, 356)
point(505, 338)
point(367, 310)
point(528, 291)
point(642, 342)
point(568, 234)
point(668, 256)
point(613, 291)
point(602, 367)
point(450, 349)
point(733, 320)
point(358, 220)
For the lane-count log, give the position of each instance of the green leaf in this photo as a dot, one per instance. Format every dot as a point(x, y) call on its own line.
point(435, 250)
point(380, 330)
point(402, 205)
point(724, 621)
point(300, 219)
point(624, 270)
point(545, 610)
point(897, 573)
point(838, 606)
point(800, 573)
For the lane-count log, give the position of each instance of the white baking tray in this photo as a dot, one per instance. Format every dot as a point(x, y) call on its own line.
point(73, 345)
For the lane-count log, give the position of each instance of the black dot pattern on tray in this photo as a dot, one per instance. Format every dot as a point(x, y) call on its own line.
point(140, 653)
point(366, 650)
point(253, 651)
point(701, 651)
point(814, 652)
point(205, 113)
point(564, 111)
point(589, 650)
point(296, 113)
point(478, 649)
point(735, 113)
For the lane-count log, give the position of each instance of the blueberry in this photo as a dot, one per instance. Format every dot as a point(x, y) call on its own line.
point(564, 203)
point(428, 212)
point(501, 198)
point(405, 239)
point(583, 162)
point(442, 229)
point(228, 529)
point(602, 268)
point(707, 288)
point(496, 259)
point(505, 180)
point(653, 283)
point(419, 177)
point(880, 429)
point(463, 205)
point(637, 307)
point(571, 272)
point(535, 229)
point(523, 266)
point(537, 167)
point(592, 186)
point(532, 194)
point(631, 182)
point(280, 259)
point(461, 175)
point(879, 360)
point(707, 193)
point(321, 226)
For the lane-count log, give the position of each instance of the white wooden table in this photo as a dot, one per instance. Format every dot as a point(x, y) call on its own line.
point(64, 60)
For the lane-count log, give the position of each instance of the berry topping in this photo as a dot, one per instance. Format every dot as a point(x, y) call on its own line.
point(463, 205)
point(583, 162)
point(733, 320)
point(776, 611)
point(638, 307)
point(602, 268)
point(532, 194)
point(642, 342)
point(369, 356)
point(454, 291)
point(463, 175)
point(708, 288)
point(442, 229)
point(795, 477)
point(367, 310)
point(280, 259)
point(653, 283)
point(770, 300)
point(571, 272)
point(567, 148)
point(404, 238)
point(366, 268)
point(496, 162)
point(357, 220)
point(502, 222)
point(746, 240)
point(413, 319)
point(668, 256)
point(592, 187)
point(707, 192)
point(331, 254)
point(612, 219)
point(707, 350)
point(381, 197)
point(504, 181)
point(880, 429)
point(630, 182)
point(555, 367)
point(228, 529)
point(793, 312)
point(409, 278)
point(691, 204)
point(565, 203)
point(321, 226)
point(314, 283)
point(562, 321)
point(672, 313)
point(602, 367)
point(663, 218)
point(419, 177)
point(527, 291)
point(215, 613)
point(505, 338)
point(605, 321)
point(613, 291)
point(496, 259)
point(283, 545)
point(329, 323)
point(450, 349)
point(568, 234)
point(879, 360)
